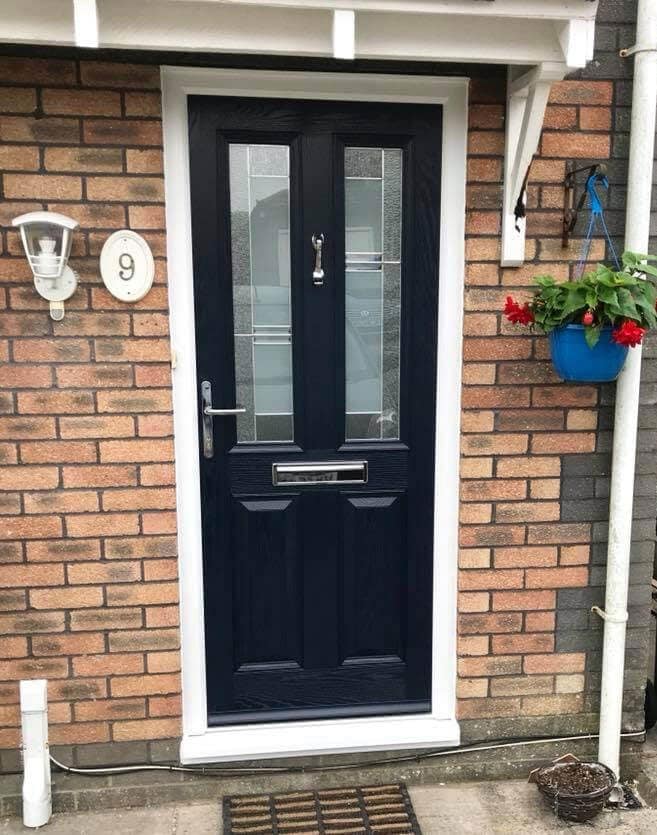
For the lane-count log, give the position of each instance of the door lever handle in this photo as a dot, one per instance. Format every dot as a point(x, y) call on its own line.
point(208, 413)
point(238, 410)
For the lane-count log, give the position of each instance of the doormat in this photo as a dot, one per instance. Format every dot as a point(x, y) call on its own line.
point(379, 810)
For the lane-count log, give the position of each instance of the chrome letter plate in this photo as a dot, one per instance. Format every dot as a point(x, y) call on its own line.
point(323, 472)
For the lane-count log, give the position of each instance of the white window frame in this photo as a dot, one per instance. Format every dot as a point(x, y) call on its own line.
point(201, 743)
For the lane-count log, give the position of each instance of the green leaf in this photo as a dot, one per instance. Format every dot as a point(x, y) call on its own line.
point(647, 269)
point(592, 335)
point(627, 305)
point(576, 300)
point(647, 310)
point(608, 295)
point(591, 298)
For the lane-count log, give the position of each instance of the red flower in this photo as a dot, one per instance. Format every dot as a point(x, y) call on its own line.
point(517, 314)
point(629, 333)
point(587, 318)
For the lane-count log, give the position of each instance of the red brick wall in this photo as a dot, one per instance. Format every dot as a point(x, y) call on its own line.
point(87, 534)
point(88, 571)
point(518, 423)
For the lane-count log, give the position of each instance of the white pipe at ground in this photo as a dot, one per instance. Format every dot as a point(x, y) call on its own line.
point(637, 231)
point(37, 796)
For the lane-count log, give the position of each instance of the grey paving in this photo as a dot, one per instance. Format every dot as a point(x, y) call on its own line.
point(510, 806)
point(188, 819)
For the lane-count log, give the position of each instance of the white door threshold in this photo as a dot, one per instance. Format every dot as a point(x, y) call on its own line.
point(335, 736)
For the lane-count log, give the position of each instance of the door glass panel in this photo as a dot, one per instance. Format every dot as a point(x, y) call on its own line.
point(262, 312)
point(373, 219)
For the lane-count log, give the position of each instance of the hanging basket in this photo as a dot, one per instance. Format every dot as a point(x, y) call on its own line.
point(574, 361)
point(576, 791)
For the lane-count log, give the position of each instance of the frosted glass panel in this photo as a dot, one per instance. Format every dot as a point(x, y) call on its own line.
point(363, 215)
point(373, 218)
point(260, 250)
point(363, 340)
point(273, 378)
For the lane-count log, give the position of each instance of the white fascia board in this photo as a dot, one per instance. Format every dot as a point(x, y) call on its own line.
point(36, 22)
point(471, 39)
point(541, 9)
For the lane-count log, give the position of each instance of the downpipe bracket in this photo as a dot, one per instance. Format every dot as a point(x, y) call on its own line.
point(622, 618)
point(633, 50)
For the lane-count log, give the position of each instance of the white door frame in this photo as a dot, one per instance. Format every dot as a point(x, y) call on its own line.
point(438, 728)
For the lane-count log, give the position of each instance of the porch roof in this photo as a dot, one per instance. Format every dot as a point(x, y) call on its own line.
point(525, 32)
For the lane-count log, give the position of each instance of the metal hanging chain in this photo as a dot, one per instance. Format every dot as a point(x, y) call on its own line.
point(597, 217)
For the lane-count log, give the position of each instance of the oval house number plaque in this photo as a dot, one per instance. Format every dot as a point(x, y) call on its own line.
point(127, 266)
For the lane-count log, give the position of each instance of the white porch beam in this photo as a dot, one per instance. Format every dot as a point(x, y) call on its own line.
point(527, 98)
point(85, 21)
point(576, 38)
point(344, 34)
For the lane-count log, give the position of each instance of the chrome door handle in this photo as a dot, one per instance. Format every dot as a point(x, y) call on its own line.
point(318, 272)
point(238, 410)
point(208, 413)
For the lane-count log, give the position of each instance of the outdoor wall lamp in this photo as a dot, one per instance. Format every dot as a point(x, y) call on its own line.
point(47, 242)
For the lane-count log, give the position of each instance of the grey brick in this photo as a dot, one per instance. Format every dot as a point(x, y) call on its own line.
point(577, 641)
point(578, 488)
point(585, 465)
point(613, 11)
point(579, 598)
point(608, 65)
point(571, 619)
point(606, 38)
point(584, 510)
point(649, 394)
point(623, 116)
point(164, 750)
point(604, 441)
point(647, 441)
point(111, 753)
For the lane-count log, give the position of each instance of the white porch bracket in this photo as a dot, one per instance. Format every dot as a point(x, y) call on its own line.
point(527, 97)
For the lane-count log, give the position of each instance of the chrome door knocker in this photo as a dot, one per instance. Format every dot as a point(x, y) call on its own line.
point(318, 272)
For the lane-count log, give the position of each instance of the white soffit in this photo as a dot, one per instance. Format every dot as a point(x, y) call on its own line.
point(484, 31)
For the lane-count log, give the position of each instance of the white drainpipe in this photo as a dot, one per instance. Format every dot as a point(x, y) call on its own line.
point(637, 230)
point(37, 799)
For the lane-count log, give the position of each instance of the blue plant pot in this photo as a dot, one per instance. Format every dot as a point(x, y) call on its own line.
point(574, 361)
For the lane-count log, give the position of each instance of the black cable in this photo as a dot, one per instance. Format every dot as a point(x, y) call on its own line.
point(213, 771)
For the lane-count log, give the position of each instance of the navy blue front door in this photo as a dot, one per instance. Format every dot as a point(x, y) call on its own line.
point(315, 230)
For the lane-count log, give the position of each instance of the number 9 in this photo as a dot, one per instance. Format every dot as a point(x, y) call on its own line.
point(127, 265)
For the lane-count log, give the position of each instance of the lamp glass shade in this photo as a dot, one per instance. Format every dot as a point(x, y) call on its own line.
point(47, 246)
